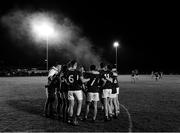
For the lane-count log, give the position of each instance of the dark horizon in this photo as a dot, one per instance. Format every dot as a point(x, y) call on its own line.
point(147, 33)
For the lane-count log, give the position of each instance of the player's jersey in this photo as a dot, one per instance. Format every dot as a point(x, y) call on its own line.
point(52, 72)
point(64, 86)
point(53, 79)
point(73, 79)
point(93, 83)
point(105, 75)
point(114, 84)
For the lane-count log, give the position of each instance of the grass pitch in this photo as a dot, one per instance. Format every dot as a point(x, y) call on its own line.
point(153, 105)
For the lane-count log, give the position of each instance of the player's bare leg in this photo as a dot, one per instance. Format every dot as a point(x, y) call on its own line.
point(87, 110)
point(95, 111)
point(105, 101)
point(109, 106)
point(79, 106)
point(115, 107)
point(117, 103)
point(71, 107)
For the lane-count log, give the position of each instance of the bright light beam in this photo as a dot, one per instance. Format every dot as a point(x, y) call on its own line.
point(44, 29)
point(116, 44)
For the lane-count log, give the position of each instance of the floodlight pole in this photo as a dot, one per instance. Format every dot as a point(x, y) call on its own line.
point(116, 60)
point(47, 41)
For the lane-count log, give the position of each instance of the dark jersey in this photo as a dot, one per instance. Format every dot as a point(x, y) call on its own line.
point(114, 84)
point(105, 75)
point(73, 80)
point(93, 83)
point(64, 86)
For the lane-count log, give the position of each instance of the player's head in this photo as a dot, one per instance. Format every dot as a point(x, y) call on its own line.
point(73, 64)
point(81, 69)
point(59, 67)
point(92, 67)
point(102, 65)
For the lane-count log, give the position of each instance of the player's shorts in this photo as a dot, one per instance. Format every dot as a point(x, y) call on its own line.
point(75, 94)
point(117, 90)
point(92, 96)
point(106, 93)
point(113, 95)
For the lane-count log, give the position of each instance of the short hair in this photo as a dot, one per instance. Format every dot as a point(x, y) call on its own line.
point(71, 63)
point(102, 65)
point(92, 67)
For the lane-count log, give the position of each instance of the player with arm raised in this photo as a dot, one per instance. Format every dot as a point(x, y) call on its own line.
point(74, 91)
point(92, 91)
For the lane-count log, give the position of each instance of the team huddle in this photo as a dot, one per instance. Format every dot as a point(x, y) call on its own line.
point(67, 84)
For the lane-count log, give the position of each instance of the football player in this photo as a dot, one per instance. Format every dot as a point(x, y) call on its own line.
point(106, 90)
point(53, 83)
point(64, 90)
point(114, 95)
point(92, 91)
point(74, 91)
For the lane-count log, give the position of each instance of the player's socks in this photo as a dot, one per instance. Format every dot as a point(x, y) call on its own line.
point(106, 118)
point(70, 120)
point(75, 122)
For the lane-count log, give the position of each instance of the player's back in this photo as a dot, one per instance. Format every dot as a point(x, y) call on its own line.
point(93, 83)
point(106, 75)
point(73, 79)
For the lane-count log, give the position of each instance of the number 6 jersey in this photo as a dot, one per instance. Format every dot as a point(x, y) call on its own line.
point(73, 79)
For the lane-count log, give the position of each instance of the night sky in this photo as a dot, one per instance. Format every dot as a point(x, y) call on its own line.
point(147, 32)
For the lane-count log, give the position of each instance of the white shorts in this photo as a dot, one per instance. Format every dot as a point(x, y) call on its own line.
point(77, 93)
point(117, 90)
point(113, 95)
point(106, 93)
point(92, 96)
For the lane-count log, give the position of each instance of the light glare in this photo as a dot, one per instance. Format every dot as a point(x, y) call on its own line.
point(116, 44)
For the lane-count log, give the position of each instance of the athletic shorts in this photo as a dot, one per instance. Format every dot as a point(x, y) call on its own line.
point(92, 96)
point(75, 94)
point(106, 93)
point(113, 95)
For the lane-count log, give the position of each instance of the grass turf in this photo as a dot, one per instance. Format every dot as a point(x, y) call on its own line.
point(153, 105)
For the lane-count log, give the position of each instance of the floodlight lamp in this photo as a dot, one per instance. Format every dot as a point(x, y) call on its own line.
point(116, 44)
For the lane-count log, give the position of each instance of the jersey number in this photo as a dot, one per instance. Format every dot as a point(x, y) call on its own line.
point(95, 79)
point(71, 78)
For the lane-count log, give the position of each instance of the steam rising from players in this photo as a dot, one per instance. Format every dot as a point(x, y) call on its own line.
point(67, 41)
